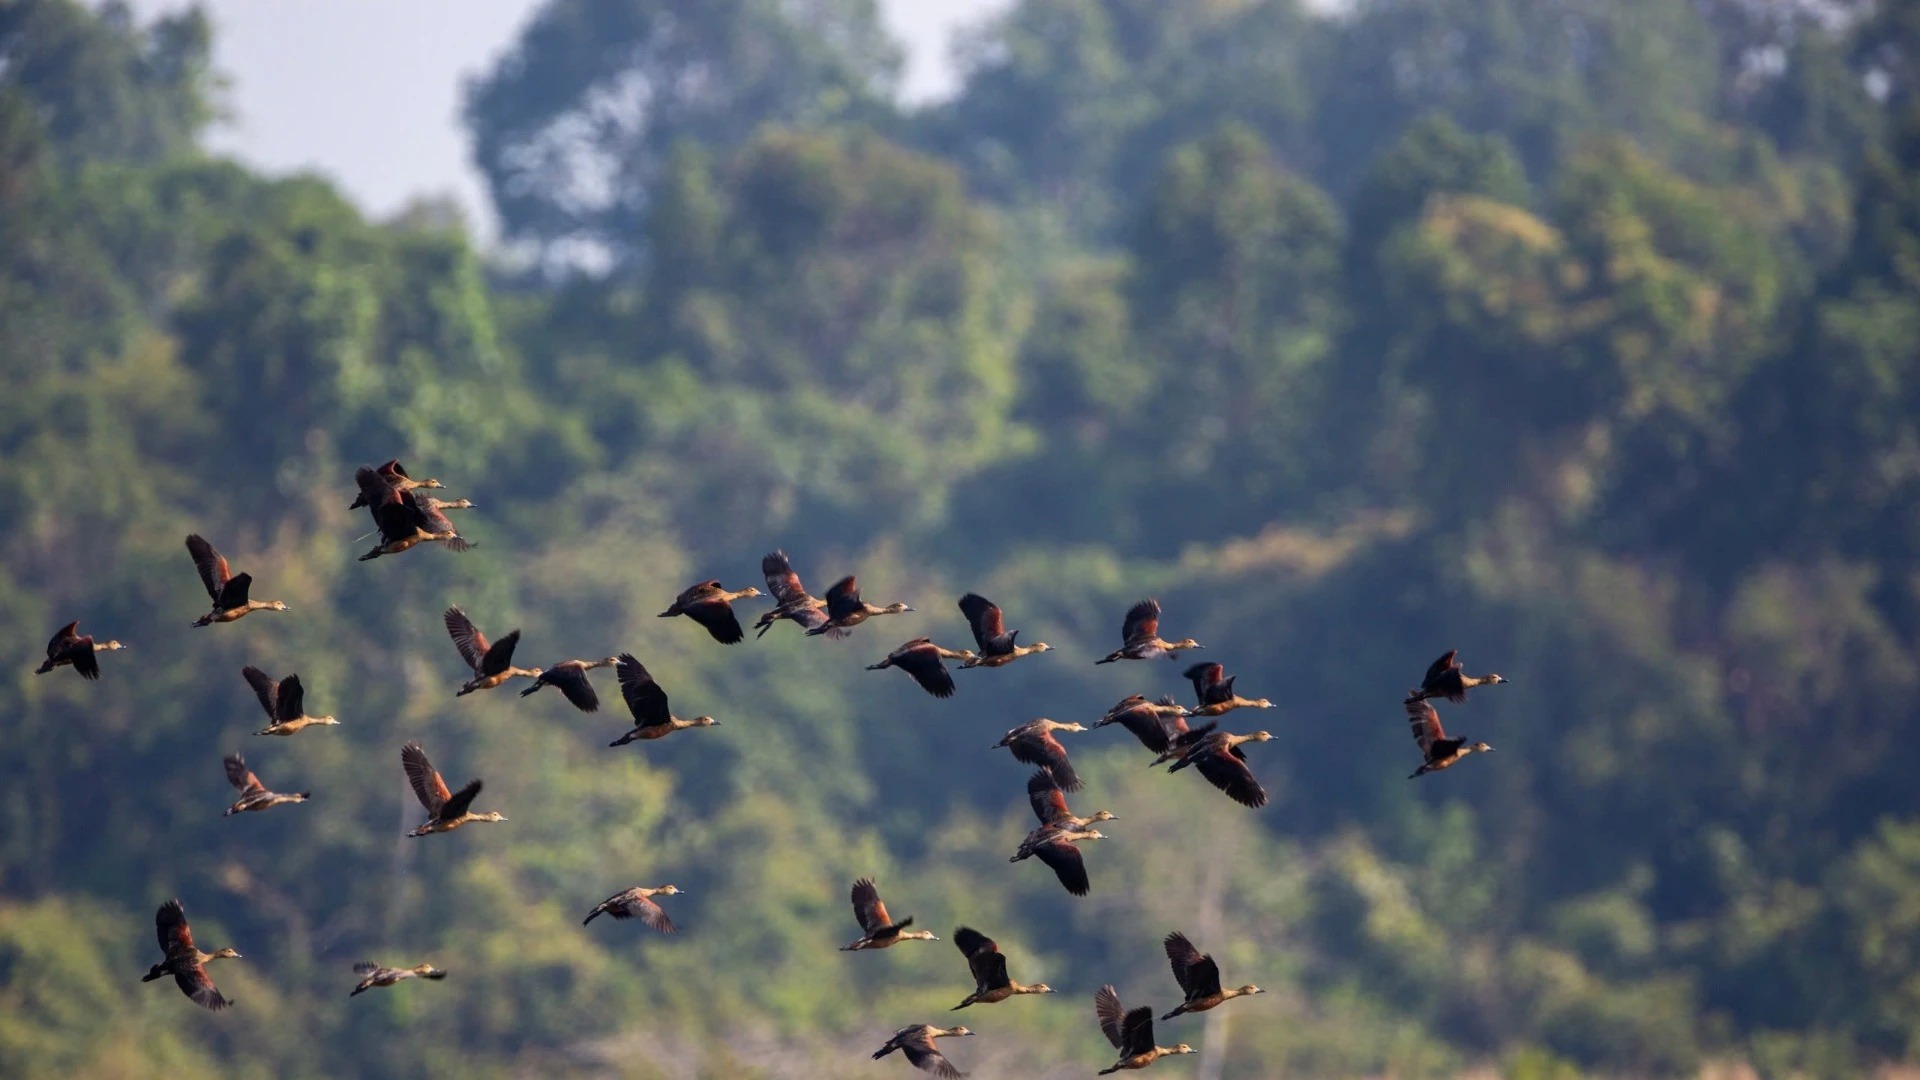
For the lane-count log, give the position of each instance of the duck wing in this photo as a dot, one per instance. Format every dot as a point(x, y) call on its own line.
point(1228, 771)
point(868, 908)
point(644, 697)
point(290, 701)
point(459, 802)
point(1194, 970)
point(1112, 1016)
point(572, 682)
point(176, 937)
point(1067, 865)
point(782, 583)
point(428, 787)
point(212, 565)
point(264, 688)
point(922, 661)
point(989, 625)
point(1048, 801)
point(242, 778)
point(193, 982)
point(844, 598)
point(499, 655)
point(1425, 723)
point(466, 637)
point(1142, 621)
point(718, 617)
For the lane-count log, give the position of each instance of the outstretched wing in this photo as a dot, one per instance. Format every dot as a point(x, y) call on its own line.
point(1049, 802)
point(1113, 1017)
point(264, 688)
point(62, 639)
point(193, 982)
point(1045, 750)
point(1194, 970)
point(573, 684)
point(1067, 865)
point(844, 598)
point(175, 935)
point(234, 593)
point(1143, 621)
point(782, 583)
point(1425, 723)
point(1441, 667)
point(459, 802)
point(1228, 771)
point(241, 777)
point(868, 908)
point(290, 703)
point(644, 698)
point(718, 617)
point(466, 637)
point(1137, 1029)
point(427, 785)
point(499, 655)
point(921, 1052)
point(1207, 685)
point(989, 625)
point(921, 660)
point(211, 564)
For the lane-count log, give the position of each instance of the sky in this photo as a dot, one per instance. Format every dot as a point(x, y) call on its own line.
point(368, 91)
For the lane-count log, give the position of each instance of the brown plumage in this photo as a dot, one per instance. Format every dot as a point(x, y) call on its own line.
point(791, 599)
point(253, 794)
point(880, 929)
point(991, 984)
point(1220, 760)
point(1050, 803)
point(1447, 679)
point(916, 1042)
point(1140, 636)
point(925, 662)
point(1213, 687)
point(652, 716)
point(186, 963)
point(393, 474)
point(386, 976)
point(446, 810)
point(997, 644)
point(637, 903)
point(846, 610)
point(492, 662)
point(228, 589)
point(1053, 845)
point(69, 646)
point(1034, 744)
point(712, 607)
point(1439, 751)
point(1199, 978)
point(284, 701)
point(570, 678)
point(1179, 742)
point(405, 519)
point(1155, 724)
point(1131, 1032)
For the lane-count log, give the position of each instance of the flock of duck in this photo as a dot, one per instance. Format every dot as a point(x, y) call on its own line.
point(406, 517)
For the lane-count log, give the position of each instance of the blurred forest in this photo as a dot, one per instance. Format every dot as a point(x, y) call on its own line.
point(1581, 335)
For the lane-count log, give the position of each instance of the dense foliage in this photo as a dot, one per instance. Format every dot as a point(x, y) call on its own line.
point(1582, 336)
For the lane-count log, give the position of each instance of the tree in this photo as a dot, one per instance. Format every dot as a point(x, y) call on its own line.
point(574, 125)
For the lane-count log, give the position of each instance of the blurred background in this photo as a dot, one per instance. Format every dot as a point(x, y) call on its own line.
point(1580, 335)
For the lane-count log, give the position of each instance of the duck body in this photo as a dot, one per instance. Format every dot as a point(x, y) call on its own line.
point(998, 645)
point(492, 662)
point(916, 1042)
point(184, 961)
point(991, 983)
point(1439, 750)
point(285, 702)
point(1131, 1032)
point(1140, 636)
point(375, 975)
point(1049, 804)
point(1213, 688)
point(1199, 978)
point(1054, 846)
point(637, 903)
point(1155, 724)
point(1219, 758)
point(880, 931)
point(846, 610)
point(712, 607)
point(406, 520)
point(1033, 743)
point(570, 678)
point(229, 590)
point(792, 602)
point(446, 810)
point(925, 663)
point(254, 795)
point(70, 648)
point(393, 474)
point(1445, 678)
point(652, 714)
